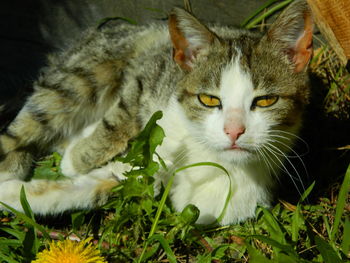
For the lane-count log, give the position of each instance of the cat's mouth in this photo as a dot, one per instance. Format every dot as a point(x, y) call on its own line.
point(238, 148)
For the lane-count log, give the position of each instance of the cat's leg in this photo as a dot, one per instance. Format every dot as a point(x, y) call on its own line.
point(31, 131)
point(52, 197)
point(51, 113)
point(17, 163)
point(79, 192)
point(101, 141)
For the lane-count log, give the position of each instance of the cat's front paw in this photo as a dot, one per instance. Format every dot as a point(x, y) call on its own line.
point(67, 166)
point(72, 164)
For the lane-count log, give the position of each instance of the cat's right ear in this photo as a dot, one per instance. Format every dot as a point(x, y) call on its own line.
point(292, 33)
point(190, 38)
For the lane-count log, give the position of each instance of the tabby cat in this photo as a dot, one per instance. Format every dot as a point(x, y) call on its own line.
point(228, 96)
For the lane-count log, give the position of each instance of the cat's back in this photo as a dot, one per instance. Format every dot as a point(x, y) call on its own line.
point(111, 42)
point(101, 66)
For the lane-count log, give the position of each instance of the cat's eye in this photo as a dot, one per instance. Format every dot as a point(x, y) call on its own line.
point(209, 100)
point(265, 101)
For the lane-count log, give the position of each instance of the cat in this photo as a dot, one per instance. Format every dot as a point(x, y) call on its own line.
point(228, 96)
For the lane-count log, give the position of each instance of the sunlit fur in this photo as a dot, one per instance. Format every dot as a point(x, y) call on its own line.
point(97, 95)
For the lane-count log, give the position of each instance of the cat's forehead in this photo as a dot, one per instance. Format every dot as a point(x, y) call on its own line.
point(235, 83)
point(246, 63)
point(219, 58)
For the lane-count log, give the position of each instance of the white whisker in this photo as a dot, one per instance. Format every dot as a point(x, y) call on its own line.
point(291, 134)
point(266, 161)
point(298, 178)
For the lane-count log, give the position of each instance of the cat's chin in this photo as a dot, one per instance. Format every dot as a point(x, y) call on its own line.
point(237, 155)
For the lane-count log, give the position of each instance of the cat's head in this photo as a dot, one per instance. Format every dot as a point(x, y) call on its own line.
point(244, 94)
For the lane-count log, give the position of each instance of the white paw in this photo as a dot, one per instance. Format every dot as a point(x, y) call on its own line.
point(67, 167)
point(112, 169)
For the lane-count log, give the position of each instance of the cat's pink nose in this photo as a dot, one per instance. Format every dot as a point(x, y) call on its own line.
point(234, 132)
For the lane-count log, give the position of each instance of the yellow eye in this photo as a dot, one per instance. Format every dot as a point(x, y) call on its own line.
point(265, 101)
point(209, 101)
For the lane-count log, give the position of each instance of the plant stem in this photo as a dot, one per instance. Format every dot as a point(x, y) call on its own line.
point(261, 8)
point(267, 14)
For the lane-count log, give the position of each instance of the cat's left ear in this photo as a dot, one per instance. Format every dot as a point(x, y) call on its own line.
point(292, 33)
point(190, 38)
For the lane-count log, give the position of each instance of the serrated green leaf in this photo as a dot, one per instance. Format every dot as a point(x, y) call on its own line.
point(7, 259)
point(327, 252)
point(13, 232)
point(151, 168)
point(10, 242)
point(43, 172)
point(135, 187)
point(143, 146)
point(49, 168)
point(156, 138)
point(204, 258)
point(147, 205)
point(255, 256)
point(277, 245)
point(219, 252)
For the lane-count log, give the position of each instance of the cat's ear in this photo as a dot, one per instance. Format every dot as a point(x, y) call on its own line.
point(189, 37)
point(292, 32)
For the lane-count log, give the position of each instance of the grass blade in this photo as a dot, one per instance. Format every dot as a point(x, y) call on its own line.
point(267, 14)
point(30, 242)
point(345, 244)
point(27, 219)
point(327, 252)
point(7, 259)
point(342, 197)
point(256, 12)
point(273, 226)
point(307, 192)
point(25, 205)
point(170, 255)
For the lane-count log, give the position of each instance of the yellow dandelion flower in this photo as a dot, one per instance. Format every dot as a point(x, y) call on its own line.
point(69, 251)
